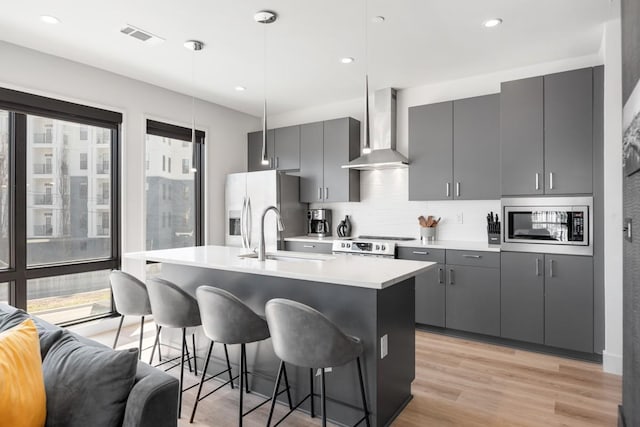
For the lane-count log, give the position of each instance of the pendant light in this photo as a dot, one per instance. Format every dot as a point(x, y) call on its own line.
point(195, 46)
point(366, 149)
point(264, 17)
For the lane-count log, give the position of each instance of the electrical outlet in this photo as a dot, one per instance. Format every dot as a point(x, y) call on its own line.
point(384, 346)
point(459, 218)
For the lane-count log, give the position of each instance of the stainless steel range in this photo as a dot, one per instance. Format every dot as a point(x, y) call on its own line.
point(377, 248)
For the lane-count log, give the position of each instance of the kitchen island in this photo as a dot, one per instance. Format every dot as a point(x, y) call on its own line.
point(372, 298)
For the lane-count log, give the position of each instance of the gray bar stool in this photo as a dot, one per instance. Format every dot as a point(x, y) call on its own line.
point(226, 319)
point(131, 299)
point(173, 307)
point(304, 337)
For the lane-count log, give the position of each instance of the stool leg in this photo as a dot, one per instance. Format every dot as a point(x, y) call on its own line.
point(156, 343)
point(242, 377)
point(226, 355)
point(275, 392)
point(364, 398)
point(118, 332)
point(323, 397)
point(195, 358)
point(159, 344)
point(141, 333)
point(286, 384)
point(206, 365)
point(184, 340)
point(313, 412)
point(246, 375)
point(185, 346)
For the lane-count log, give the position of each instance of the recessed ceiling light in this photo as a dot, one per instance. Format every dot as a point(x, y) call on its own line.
point(49, 19)
point(194, 45)
point(240, 88)
point(493, 22)
point(377, 19)
point(347, 60)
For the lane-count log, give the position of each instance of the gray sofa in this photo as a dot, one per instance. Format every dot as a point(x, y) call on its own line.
point(153, 399)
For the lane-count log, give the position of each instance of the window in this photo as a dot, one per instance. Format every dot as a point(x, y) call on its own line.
point(52, 251)
point(173, 221)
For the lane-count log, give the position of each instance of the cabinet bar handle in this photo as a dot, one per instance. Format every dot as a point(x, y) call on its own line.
point(537, 181)
point(319, 193)
point(421, 252)
point(326, 193)
point(550, 268)
point(308, 246)
point(451, 276)
point(440, 278)
point(550, 180)
point(537, 266)
point(448, 189)
point(277, 162)
point(472, 256)
point(457, 189)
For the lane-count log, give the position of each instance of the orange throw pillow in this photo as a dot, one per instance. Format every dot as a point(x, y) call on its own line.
point(22, 396)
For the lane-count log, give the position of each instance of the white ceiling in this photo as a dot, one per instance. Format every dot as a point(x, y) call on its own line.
point(421, 42)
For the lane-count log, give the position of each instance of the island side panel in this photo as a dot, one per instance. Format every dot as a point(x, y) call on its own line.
point(353, 309)
point(397, 369)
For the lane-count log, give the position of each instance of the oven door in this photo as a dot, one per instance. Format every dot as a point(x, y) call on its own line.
point(551, 225)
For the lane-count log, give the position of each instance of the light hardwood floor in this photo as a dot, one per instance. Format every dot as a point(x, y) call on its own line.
point(466, 383)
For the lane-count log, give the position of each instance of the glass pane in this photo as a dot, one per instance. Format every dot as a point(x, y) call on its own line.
point(4, 190)
point(169, 191)
point(70, 297)
point(68, 191)
point(4, 292)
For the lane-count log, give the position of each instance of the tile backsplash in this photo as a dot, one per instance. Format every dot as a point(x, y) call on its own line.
point(385, 209)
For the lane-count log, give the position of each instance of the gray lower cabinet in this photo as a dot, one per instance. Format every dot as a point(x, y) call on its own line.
point(473, 299)
point(324, 148)
point(568, 303)
point(254, 151)
point(430, 286)
point(568, 132)
point(522, 296)
point(310, 246)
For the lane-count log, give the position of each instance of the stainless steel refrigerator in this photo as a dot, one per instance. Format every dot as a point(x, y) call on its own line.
point(248, 194)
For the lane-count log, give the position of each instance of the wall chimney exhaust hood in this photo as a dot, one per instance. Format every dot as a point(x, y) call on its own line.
point(384, 154)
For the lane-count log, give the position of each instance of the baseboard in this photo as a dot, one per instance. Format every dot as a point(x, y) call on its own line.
point(611, 363)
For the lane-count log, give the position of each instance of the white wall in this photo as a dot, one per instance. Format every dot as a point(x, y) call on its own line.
point(384, 206)
point(226, 129)
point(612, 56)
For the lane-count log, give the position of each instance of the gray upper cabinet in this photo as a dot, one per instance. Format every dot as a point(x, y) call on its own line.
point(254, 151)
point(430, 152)
point(311, 162)
point(476, 148)
point(522, 137)
point(324, 148)
point(568, 132)
point(287, 148)
point(568, 307)
point(522, 296)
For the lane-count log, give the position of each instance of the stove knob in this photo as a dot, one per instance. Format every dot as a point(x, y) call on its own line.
point(342, 245)
point(384, 248)
point(377, 247)
point(348, 245)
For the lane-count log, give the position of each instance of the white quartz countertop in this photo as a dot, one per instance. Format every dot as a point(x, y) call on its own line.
point(360, 271)
point(461, 245)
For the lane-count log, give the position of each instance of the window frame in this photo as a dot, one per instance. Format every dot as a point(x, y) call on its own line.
point(20, 105)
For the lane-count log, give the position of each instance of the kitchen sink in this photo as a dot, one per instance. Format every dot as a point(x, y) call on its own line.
point(290, 257)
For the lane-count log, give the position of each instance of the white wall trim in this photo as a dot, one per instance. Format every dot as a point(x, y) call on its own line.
point(611, 363)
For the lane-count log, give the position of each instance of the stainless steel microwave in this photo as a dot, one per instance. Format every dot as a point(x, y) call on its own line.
point(559, 225)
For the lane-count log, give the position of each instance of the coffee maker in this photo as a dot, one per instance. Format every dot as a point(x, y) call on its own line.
point(319, 222)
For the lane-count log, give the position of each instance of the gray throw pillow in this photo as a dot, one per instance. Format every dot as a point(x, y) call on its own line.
point(85, 385)
point(47, 336)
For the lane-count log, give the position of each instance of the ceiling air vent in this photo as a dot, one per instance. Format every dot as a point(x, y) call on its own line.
point(142, 35)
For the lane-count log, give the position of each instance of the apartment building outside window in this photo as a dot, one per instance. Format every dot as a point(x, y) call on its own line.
point(57, 245)
point(173, 193)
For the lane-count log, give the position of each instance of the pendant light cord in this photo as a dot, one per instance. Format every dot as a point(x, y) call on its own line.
point(193, 98)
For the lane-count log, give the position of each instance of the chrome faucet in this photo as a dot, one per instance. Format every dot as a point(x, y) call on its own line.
point(261, 249)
